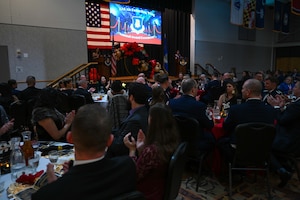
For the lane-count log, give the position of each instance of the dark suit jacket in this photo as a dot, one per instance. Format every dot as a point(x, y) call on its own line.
point(133, 123)
point(104, 179)
point(86, 94)
point(253, 110)
point(29, 93)
point(288, 129)
point(187, 105)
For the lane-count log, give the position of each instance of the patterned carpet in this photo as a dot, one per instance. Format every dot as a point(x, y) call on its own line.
point(243, 189)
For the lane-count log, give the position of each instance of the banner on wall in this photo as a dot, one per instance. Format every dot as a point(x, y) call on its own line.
point(236, 14)
point(295, 7)
point(249, 14)
point(98, 25)
point(285, 24)
point(277, 16)
point(260, 14)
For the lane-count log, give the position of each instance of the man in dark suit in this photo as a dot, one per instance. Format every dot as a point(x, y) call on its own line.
point(31, 91)
point(137, 119)
point(253, 110)
point(93, 176)
point(287, 137)
point(188, 106)
point(82, 90)
point(271, 83)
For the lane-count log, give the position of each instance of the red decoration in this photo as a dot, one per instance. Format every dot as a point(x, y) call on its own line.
point(135, 61)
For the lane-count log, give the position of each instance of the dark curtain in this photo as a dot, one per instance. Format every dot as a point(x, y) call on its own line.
point(176, 26)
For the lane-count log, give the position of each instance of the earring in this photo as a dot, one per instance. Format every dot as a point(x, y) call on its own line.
point(233, 91)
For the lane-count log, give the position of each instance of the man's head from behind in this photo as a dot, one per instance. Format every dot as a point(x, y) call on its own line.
point(252, 88)
point(189, 86)
point(138, 93)
point(30, 80)
point(91, 129)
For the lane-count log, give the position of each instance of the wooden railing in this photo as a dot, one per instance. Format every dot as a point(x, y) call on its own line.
point(74, 74)
point(215, 70)
point(203, 70)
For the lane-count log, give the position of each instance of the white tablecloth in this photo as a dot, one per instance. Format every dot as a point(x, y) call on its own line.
point(42, 166)
point(103, 102)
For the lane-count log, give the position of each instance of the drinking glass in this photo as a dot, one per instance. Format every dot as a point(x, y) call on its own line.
point(53, 156)
point(34, 161)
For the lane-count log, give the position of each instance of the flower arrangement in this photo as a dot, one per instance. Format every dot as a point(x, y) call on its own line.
point(136, 53)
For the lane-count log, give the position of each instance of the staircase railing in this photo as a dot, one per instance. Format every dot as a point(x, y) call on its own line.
point(74, 74)
point(215, 70)
point(204, 71)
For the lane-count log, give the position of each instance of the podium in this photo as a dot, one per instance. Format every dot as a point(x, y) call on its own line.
point(103, 69)
point(181, 66)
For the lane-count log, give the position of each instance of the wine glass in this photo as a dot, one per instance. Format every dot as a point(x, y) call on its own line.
point(53, 156)
point(34, 161)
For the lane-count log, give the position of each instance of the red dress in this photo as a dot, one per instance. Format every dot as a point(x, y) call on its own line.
point(151, 173)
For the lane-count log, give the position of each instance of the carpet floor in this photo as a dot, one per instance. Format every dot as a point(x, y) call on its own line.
point(250, 187)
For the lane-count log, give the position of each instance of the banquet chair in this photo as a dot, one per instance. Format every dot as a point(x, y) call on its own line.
point(17, 111)
point(63, 105)
point(76, 101)
point(175, 172)
point(118, 109)
point(189, 132)
point(253, 150)
point(134, 195)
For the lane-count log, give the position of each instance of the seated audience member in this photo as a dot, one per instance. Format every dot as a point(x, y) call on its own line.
point(82, 90)
point(6, 97)
point(31, 92)
point(137, 119)
point(48, 122)
point(103, 85)
point(287, 137)
point(286, 87)
point(13, 85)
point(144, 81)
point(188, 106)
point(213, 90)
point(158, 96)
point(115, 89)
point(67, 86)
point(253, 110)
point(92, 176)
point(154, 151)
point(5, 125)
point(163, 81)
point(118, 104)
point(228, 98)
point(271, 83)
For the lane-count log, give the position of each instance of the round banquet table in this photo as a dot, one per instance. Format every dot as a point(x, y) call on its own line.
point(42, 166)
point(103, 101)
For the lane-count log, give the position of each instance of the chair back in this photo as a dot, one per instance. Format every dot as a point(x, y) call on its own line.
point(134, 195)
point(63, 105)
point(118, 109)
point(18, 112)
point(76, 101)
point(189, 131)
point(254, 143)
point(175, 171)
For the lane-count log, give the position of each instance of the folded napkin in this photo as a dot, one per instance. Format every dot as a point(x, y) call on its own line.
point(45, 151)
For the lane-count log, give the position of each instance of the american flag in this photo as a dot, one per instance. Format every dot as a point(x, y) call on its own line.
point(97, 25)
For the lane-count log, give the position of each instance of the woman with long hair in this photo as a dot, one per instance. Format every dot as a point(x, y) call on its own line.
point(229, 97)
point(49, 123)
point(154, 151)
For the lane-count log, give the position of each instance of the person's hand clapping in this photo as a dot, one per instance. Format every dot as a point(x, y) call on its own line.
point(69, 117)
point(130, 143)
point(7, 126)
point(140, 139)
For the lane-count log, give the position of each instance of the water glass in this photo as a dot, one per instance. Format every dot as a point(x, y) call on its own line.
point(53, 156)
point(34, 161)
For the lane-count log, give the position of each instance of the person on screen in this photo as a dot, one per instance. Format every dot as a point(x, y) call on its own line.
point(92, 175)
